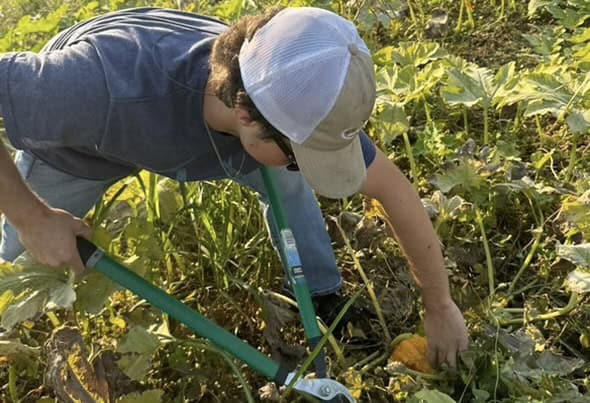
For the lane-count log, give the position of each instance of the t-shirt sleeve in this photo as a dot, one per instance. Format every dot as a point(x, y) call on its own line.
point(53, 99)
point(368, 148)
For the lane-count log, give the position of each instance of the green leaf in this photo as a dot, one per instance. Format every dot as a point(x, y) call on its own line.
point(431, 396)
point(26, 274)
point(577, 254)
point(465, 175)
point(23, 310)
point(417, 54)
point(383, 56)
point(93, 292)
point(169, 198)
point(567, 17)
point(15, 350)
point(578, 281)
point(149, 396)
point(581, 37)
point(547, 364)
point(534, 5)
point(579, 122)
point(582, 55)
point(556, 365)
point(62, 296)
point(474, 85)
point(545, 94)
point(460, 90)
point(135, 366)
point(448, 208)
point(546, 41)
point(50, 23)
point(577, 211)
point(139, 340)
point(392, 120)
point(229, 10)
point(5, 300)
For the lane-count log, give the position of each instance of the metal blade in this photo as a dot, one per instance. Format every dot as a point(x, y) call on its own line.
point(324, 389)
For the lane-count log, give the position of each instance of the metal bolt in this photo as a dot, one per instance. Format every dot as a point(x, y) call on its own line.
point(325, 390)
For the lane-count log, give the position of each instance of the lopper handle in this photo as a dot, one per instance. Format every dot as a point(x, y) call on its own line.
point(95, 258)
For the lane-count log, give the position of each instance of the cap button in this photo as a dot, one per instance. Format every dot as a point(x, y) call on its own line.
point(353, 49)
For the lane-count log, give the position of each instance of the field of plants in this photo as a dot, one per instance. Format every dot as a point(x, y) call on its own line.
point(484, 104)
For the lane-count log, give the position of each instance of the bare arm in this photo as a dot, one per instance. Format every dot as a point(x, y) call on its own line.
point(444, 324)
point(17, 202)
point(49, 234)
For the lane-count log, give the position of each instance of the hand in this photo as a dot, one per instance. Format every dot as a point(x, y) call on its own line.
point(446, 333)
point(50, 236)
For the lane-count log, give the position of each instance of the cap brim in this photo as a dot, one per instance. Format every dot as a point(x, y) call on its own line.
point(332, 173)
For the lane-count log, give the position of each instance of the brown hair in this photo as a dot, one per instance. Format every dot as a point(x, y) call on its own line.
point(224, 65)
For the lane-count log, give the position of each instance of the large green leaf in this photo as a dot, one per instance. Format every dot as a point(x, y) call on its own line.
point(62, 296)
point(476, 85)
point(534, 5)
point(546, 41)
point(135, 366)
point(465, 175)
point(577, 211)
point(547, 364)
point(139, 340)
point(93, 292)
point(579, 121)
point(26, 309)
point(462, 89)
point(582, 56)
point(577, 254)
point(26, 274)
point(417, 54)
point(567, 17)
point(578, 281)
point(545, 94)
point(392, 120)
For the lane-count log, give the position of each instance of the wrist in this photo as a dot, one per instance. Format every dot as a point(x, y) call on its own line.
point(29, 214)
point(436, 300)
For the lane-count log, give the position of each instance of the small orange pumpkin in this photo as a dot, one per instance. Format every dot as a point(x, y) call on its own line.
point(412, 353)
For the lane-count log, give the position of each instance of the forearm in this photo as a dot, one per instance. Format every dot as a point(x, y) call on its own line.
point(412, 228)
point(419, 243)
point(17, 202)
point(444, 325)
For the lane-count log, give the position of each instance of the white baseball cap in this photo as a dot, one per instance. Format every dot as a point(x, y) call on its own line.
point(311, 76)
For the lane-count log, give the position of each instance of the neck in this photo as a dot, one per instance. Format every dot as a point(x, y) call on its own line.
point(218, 116)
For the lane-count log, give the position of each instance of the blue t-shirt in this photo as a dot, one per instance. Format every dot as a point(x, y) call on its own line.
point(120, 92)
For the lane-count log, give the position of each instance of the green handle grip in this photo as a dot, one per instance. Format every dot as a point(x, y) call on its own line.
point(292, 263)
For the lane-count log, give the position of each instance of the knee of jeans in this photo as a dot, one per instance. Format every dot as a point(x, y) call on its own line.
point(10, 246)
point(10, 251)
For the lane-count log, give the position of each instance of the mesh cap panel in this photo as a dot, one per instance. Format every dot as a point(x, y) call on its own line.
point(294, 68)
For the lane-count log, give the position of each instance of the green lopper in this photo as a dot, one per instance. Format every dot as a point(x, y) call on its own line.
point(322, 388)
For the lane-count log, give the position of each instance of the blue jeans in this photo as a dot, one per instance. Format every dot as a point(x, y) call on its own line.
point(78, 196)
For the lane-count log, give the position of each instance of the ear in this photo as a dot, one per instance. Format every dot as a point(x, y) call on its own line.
point(243, 117)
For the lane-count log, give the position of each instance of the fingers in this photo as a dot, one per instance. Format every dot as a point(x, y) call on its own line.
point(451, 358)
point(77, 266)
point(81, 229)
point(433, 355)
point(439, 356)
